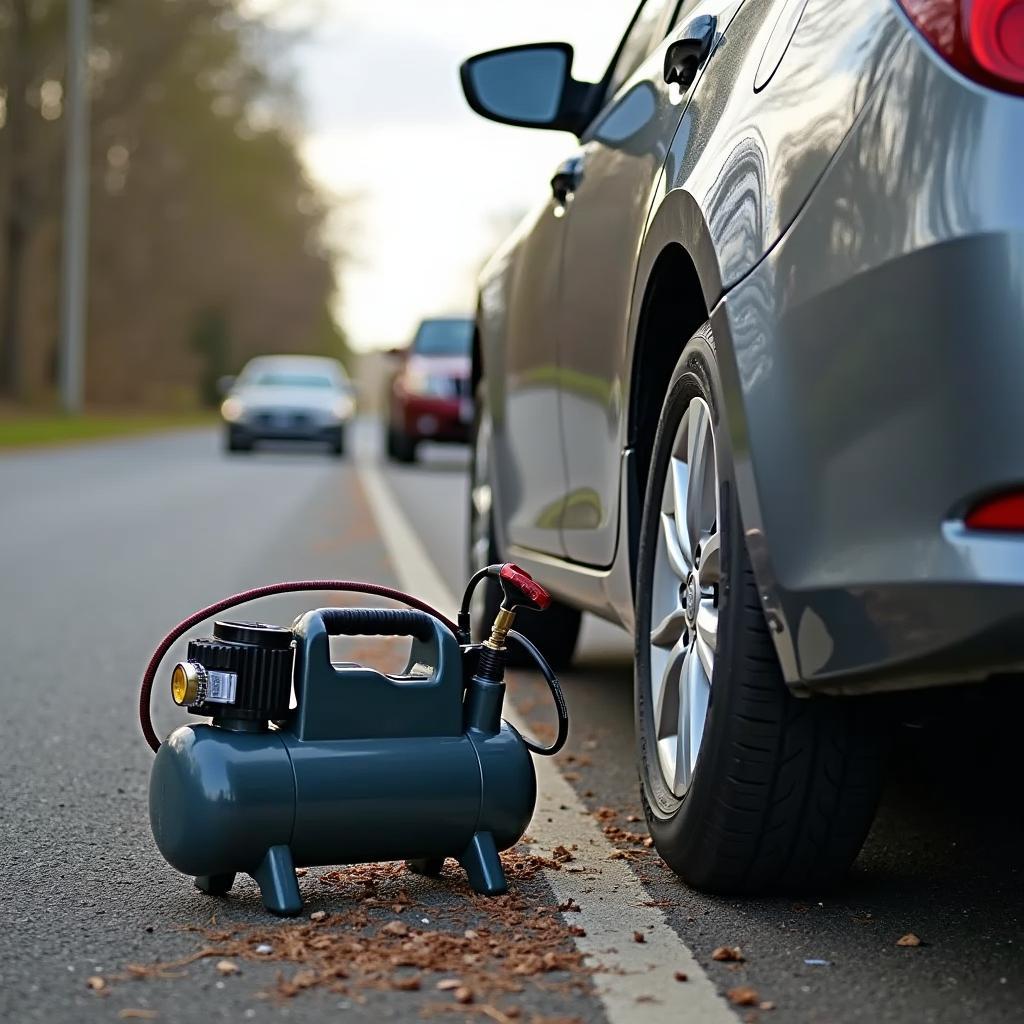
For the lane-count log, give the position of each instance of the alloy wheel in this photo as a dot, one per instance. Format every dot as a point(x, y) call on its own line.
point(684, 597)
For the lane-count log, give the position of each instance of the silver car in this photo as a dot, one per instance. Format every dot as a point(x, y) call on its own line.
point(749, 383)
point(288, 398)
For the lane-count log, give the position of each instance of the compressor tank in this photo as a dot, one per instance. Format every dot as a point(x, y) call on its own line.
point(220, 799)
point(368, 767)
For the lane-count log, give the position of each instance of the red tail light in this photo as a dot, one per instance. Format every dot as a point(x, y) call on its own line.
point(983, 39)
point(1003, 513)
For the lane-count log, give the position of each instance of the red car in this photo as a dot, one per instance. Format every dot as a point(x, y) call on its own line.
point(430, 397)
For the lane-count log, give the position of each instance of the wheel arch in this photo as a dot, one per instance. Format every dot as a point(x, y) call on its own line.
point(678, 283)
point(672, 309)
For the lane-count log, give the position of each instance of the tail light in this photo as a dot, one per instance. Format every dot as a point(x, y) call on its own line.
point(1005, 513)
point(983, 39)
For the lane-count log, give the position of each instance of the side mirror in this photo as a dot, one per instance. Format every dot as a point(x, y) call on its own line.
point(531, 86)
point(225, 384)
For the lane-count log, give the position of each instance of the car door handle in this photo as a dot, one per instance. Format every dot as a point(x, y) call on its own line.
point(685, 56)
point(566, 180)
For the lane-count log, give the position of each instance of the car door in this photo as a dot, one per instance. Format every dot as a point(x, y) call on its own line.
point(528, 464)
point(616, 171)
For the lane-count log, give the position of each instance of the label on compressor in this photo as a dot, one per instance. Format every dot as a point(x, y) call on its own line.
point(220, 687)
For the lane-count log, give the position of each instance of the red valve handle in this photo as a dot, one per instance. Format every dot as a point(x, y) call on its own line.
point(527, 586)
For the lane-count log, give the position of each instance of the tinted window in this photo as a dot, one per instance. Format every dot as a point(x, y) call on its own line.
point(639, 42)
point(685, 7)
point(444, 338)
point(272, 379)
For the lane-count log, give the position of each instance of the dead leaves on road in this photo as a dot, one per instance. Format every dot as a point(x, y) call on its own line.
point(743, 995)
point(514, 943)
point(728, 954)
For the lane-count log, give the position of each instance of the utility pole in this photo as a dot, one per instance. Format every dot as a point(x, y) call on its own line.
point(74, 270)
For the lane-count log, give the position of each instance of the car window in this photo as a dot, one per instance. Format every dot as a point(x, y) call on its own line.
point(643, 36)
point(444, 338)
point(682, 8)
point(279, 379)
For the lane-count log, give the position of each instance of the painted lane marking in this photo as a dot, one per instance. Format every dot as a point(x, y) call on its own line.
point(610, 896)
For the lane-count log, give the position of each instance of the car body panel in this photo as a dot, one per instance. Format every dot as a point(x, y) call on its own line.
point(876, 358)
point(740, 164)
point(517, 324)
point(606, 592)
point(621, 158)
point(750, 157)
point(853, 209)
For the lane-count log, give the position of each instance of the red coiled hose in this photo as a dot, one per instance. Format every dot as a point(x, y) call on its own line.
point(293, 587)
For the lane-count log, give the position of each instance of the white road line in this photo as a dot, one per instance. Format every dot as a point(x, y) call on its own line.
point(416, 572)
point(610, 896)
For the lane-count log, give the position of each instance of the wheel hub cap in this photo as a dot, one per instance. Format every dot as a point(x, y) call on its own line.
point(691, 599)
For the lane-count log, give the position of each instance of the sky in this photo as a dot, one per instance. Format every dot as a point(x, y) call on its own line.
point(435, 186)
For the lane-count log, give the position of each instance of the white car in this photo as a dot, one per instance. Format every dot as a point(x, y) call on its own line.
point(306, 398)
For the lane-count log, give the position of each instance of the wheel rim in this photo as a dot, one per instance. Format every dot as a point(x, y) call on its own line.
point(684, 598)
point(481, 500)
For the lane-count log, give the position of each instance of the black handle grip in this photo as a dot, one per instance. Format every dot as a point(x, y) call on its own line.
point(563, 184)
point(691, 48)
point(377, 622)
point(567, 178)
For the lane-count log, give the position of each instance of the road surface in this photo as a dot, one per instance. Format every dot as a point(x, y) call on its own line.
point(103, 547)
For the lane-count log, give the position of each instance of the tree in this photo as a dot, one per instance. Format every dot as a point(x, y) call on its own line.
point(200, 202)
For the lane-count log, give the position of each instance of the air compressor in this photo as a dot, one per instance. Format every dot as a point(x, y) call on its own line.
point(308, 762)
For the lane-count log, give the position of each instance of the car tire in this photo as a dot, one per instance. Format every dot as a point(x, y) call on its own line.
point(554, 630)
point(236, 441)
point(401, 447)
point(766, 791)
point(337, 442)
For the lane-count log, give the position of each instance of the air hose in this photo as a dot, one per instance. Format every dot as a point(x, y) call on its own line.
point(461, 631)
point(556, 696)
point(509, 576)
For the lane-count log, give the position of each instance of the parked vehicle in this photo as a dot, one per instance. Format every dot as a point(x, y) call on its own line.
point(749, 384)
point(303, 398)
point(430, 397)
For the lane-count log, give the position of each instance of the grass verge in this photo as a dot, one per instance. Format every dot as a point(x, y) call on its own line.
point(30, 429)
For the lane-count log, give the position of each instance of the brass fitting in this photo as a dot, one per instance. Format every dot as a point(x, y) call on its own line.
point(499, 631)
point(188, 684)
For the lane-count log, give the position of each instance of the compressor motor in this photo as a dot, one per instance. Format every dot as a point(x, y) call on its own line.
point(360, 766)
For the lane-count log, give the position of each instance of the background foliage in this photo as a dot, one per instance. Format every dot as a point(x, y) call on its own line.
point(206, 235)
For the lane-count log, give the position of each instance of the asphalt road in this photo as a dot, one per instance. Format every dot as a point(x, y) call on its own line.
point(104, 547)
point(944, 860)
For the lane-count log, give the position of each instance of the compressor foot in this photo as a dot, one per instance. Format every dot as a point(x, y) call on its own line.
point(429, 866)
point(278, 884)
point(483, 865)
point(215, 885)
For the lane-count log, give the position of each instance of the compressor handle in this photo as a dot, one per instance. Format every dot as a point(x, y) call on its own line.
point(377, 622)
point(234, 600)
